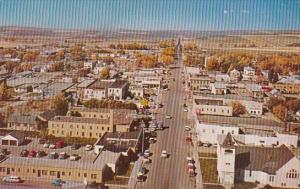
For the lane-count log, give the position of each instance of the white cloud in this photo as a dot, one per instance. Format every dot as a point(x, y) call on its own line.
point(245, 11)
point(225, 11)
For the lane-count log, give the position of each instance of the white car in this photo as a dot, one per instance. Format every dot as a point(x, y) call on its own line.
point(164, 154)
point(168, 117)
point(88, 147)
point(185, 110)
point(147, 153)
point(74, 157)
point(52, 146)
point(11, 179)
point(46, 145)
point(187, 128)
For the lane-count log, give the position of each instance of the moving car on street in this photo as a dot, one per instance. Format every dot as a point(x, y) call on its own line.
point(164, 154)
point(12, 179)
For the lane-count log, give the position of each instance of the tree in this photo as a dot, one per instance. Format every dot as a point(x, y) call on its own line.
point(144, 102)
point(169, 51)
point(30, 56)
point(238, 108)
point(105, 73)
point(293, 105)
point(3, 91)
point(167, 59)
point(212, 64)
point(274, 101)
point(60, 104)
point(280, 111)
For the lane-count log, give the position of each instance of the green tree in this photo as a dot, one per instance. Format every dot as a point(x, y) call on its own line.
point(144, 102)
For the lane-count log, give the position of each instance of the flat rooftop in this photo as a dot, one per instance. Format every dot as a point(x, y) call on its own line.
point(73, 119)
point(209, 102)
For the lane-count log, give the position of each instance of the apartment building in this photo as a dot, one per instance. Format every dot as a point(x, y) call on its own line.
point(197, 82)
point(103, 89)
point(253, 106)
point(288, 85)
point(211, 107)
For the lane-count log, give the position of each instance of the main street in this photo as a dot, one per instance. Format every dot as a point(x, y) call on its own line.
point(171, 172)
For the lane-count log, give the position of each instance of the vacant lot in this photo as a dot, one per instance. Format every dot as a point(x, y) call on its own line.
point(209, 170)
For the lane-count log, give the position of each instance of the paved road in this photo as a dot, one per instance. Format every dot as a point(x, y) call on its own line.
point(171, 172)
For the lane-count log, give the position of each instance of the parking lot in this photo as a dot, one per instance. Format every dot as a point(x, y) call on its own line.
point(85, 156)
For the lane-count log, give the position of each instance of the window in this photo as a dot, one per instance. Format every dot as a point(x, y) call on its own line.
point(44, 172)
point(33, 170)
point(250, 173)
point(283, 184)
point(93, 176)
point(82, 134)
point(52, 173)
point(19, 169)
point(69, 173)
point(63, 173)
point(227, 163)
point(108, 128)
point(232, 132)
point(271, 178)
point(85, 175)
point(2, 169)
point(78, 174)
point(203, 130)
point(222, 131)
point(292, 174)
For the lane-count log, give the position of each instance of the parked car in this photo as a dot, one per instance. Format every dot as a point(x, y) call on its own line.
point(53, 155)
point(74, 157)
point(32, 154)
point(190, 160)
point(152, 140)
point(185, 110)
point(187, 128)
point(12, 179)
point(88, 147)
point(59, 144)
point(24, 153)
point(168, 117)
point(153, 134)
point(147, 153)
point(164, 154)
point(40, 154)
point(75, 147)
point(62, 155)
point(57, 182)
point(52, 146)
point(42, 141)
point(46, 145)
point(146, 160)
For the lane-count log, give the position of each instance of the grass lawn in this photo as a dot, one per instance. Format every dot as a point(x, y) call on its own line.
point(118, 181)
point(209, 170)
point(210, 155)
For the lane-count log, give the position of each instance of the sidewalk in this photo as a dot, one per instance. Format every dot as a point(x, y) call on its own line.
point(132, 180)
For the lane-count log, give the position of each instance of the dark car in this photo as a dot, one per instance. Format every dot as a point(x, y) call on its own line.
point(59, 144)
point(32, 154)
point(153, 134)
point(24, 153)
point(41, 154)
point(75, 147)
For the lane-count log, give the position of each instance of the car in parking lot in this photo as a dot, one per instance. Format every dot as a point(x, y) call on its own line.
point(52, 146)
point(185, 110)
point(32, 154)
point(62, 155)
point(59, 144)
point(57, 182)
point(88, 147)
point(4, 151)
point(53, 155)
point(12, 179)
point(187, 128)
point(146, 160)
point(46, 145)
point(75, 147)
point(40, 154)
point(164, 154)
point(74, 157)
point(24, 153)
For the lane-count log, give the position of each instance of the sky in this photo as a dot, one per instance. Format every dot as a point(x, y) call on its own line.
point(200, 15)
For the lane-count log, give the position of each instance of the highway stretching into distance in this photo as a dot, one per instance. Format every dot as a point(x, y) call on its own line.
point(171, 172)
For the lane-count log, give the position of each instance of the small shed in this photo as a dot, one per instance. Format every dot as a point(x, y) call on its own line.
point(14, 138)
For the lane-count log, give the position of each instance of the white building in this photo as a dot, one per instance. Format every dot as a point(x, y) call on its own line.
point(274, 166)
point(89, 65)
point(249, 74)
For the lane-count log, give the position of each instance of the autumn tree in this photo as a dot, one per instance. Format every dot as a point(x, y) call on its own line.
point(190, 46)
point(167, 59)
point(212, 64)
point(169, 51)
point(105, 73)
point(280, 111)
point(10, 66)
point(60, 104)
point(57, 66)
point(195, 60)
point(77, 53)
point(146, 60)
point(30, 56)
point(274, 101)
point(3, 91)
point(238, 108)
point(272, 76)
point(293, 105)
point(144, 102)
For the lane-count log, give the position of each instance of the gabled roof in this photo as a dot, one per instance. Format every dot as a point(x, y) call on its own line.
point(265, 159)
point(16, 134)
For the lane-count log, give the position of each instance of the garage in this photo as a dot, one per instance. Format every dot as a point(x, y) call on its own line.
point(14, 138)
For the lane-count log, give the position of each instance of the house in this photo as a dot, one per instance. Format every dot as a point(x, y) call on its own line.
point(136, 91)
point(255, 90)
point(118, 90)
point(218, 88)
point(288, 85)
point(234, 75)
point(89, 65)
point(23, 122)
point(14, 138)
point(277, 167)
point(249, 74)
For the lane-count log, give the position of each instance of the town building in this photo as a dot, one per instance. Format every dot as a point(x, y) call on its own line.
point(211, 107)
point(198, 82)
point(288, 85)
point(274, 166)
